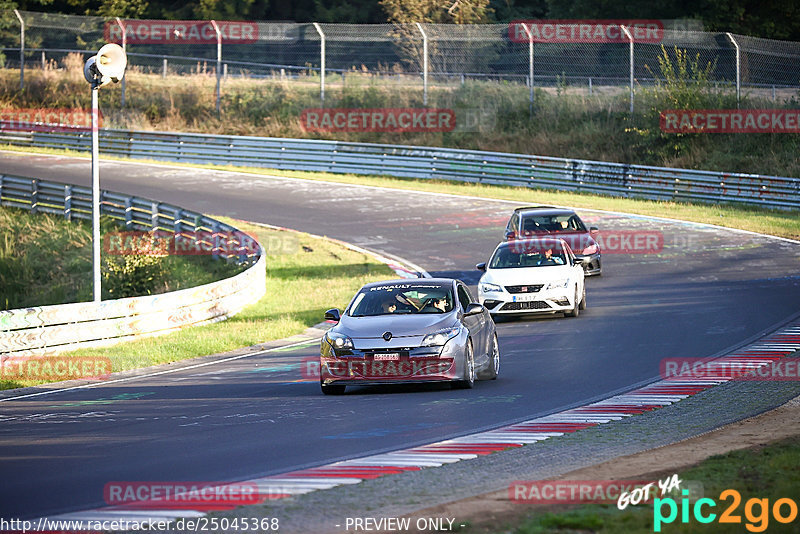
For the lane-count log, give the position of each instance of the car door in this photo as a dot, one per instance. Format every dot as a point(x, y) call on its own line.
point(476, 324)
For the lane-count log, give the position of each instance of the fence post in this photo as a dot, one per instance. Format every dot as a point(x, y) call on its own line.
point(124, 49)
point(21, 50)
point(738, 68)
point(424, 64)
point(630, 40)
point(321, 64)
point(529, 33)
point(219, 62)
point(164, 69)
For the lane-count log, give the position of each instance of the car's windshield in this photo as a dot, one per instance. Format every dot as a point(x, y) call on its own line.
point(540, 224)
point(397, 299)
point(528, 254)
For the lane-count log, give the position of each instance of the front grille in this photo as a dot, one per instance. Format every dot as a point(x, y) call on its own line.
point(531, 288)
point(530, 305)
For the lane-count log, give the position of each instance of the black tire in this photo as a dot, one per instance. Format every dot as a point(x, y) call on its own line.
point(494, 360)
point(469, 369)
point(583, 299)
point(332, 389)
point(575, 311)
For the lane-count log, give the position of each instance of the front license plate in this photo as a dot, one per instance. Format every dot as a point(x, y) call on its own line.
point(524, 298)
point(388, 356)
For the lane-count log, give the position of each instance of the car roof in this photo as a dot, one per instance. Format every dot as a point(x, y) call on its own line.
point(544, 210)
point(544, 240)
point(402, 281)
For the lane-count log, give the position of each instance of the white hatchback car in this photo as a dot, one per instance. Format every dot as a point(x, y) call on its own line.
point(539, 275)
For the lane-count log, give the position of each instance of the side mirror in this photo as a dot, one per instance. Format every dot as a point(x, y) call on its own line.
point(333, 315)
point(481, 266)
point(593, 229)
point(474, 309)
point(509, 235)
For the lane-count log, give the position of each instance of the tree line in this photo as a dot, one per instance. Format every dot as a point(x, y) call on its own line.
point(775, 19)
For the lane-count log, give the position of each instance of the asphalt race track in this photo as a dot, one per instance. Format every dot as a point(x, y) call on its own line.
point(708, 290)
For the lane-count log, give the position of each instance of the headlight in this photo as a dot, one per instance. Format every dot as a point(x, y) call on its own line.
point(488, 288)
point(440, 338)
point(339, 341)
point(591, 249)
point(558, 284)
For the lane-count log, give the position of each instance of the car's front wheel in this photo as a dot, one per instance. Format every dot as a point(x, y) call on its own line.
point(494, 361)
point(583, 299)
point(332, 389)
point(575, 311)
point(469, 368)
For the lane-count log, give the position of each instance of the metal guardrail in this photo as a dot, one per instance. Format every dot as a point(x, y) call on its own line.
point(44, 330)
point(615, 179)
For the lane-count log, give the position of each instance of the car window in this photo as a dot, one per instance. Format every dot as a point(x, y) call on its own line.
point(527, 253)
point(464, 297)
point(552, 223)
point(399, 299)
point(513, 224)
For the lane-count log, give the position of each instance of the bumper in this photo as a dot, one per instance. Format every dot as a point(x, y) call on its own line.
point(541, 302)
point(417, 365)
point(591, 264)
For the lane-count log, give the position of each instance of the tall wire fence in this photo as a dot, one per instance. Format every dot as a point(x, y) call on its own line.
point(413, 55)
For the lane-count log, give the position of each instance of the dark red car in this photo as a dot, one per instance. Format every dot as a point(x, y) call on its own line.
point(535, 221)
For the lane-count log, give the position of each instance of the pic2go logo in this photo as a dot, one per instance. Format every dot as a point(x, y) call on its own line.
point(756, 511)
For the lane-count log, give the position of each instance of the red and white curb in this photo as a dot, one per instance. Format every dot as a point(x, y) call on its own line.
point(765, 351)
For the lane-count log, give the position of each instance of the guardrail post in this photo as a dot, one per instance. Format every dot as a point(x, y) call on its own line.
point(21, 50)
point(219, 62)
point(321, 64)
point(1, 189)
point(154, 216)
point(424, 64)
point(215, 240)
point(738, 68)
point(128, 213)
point(177, 224)
point(68, 202)
point(630, 41)
point(124, 49)
point(35, 195)
point(529, 33)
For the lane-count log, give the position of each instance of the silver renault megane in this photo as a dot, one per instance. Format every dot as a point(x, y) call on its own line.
point(420, 330)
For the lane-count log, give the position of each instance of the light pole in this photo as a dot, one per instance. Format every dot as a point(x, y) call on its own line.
point(107, 66)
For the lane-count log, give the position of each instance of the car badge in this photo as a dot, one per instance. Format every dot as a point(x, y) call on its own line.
point(524, 289)
point(387, 336)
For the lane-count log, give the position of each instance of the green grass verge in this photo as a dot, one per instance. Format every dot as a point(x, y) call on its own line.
point(305, 277)
point(46, 260)
point(781, 223)
point(768, 472)
point(566, 121)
